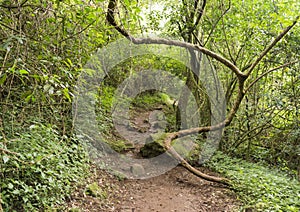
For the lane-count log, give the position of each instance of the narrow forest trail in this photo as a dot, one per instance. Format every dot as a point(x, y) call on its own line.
point(176, 190)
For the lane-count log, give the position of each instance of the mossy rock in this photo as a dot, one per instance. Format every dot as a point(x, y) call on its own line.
point(159, 124)
point(137, 170)
point(154, 145)
point(183, 146)
point(119, 175)
point(121, 146)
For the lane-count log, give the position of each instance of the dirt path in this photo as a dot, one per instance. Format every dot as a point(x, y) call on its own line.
point(176, 190)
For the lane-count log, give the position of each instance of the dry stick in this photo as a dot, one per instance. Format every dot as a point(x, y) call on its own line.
point(240, 75)
point(9, 152)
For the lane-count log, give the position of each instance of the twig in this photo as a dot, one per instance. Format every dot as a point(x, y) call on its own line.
point(8, 27)
point(9, 152)
point(200, 14)
point(272, 44)
point(215, 24)
point(77, 33)
point(267, 72)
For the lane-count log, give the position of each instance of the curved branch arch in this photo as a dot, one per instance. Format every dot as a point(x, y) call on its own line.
point(241, 77)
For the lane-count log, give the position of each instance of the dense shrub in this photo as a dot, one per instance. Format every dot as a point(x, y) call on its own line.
point(259, 187)
point(42, 171)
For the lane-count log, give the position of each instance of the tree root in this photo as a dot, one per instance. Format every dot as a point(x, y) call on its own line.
point(189, 167)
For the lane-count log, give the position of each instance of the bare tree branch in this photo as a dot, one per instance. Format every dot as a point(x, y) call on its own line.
point(200, 14)
point(193, 170)
point(226, 41)
point(215, 24)
point(272, 44)
point(269, 71)
point(241, 78)
point(8, 27)
point(212, 54)
point(111, 20)
point(243, 138)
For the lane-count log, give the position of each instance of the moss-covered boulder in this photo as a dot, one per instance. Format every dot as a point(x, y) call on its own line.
point(183, 146)
point(154, 145)
point(159, 124)
point(137, 170)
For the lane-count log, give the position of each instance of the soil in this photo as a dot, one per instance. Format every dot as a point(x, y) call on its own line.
point(177, 190)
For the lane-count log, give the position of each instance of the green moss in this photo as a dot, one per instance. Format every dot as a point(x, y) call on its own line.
point(121, 145)
point(147, 100)
point(183, 146)
point(95, 191)
point(166, 99)
point(154, 145)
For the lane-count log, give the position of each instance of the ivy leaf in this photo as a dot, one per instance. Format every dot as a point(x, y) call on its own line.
point(23, 71)
point(5, 158)
point(3, 79)
point(10, 186)
point(66, 94)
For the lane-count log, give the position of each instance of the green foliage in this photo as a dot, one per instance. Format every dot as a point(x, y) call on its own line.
point(120, 145)
point(94, 190)
point(104, 109)
point(269, 118)
point(147, 100)
point(44, 47)
point(267, 126)
point(43, 171)
point(261, 188)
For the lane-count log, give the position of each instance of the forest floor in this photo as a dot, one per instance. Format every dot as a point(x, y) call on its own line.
point(176, 190)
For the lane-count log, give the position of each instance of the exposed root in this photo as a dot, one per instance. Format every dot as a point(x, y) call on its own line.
point(190, 168)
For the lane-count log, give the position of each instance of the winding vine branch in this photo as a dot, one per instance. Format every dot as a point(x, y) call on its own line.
point(241, 78)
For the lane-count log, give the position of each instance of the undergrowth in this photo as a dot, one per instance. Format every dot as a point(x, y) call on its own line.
point(259, 187)
point(147, 101)
point(41, 170)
